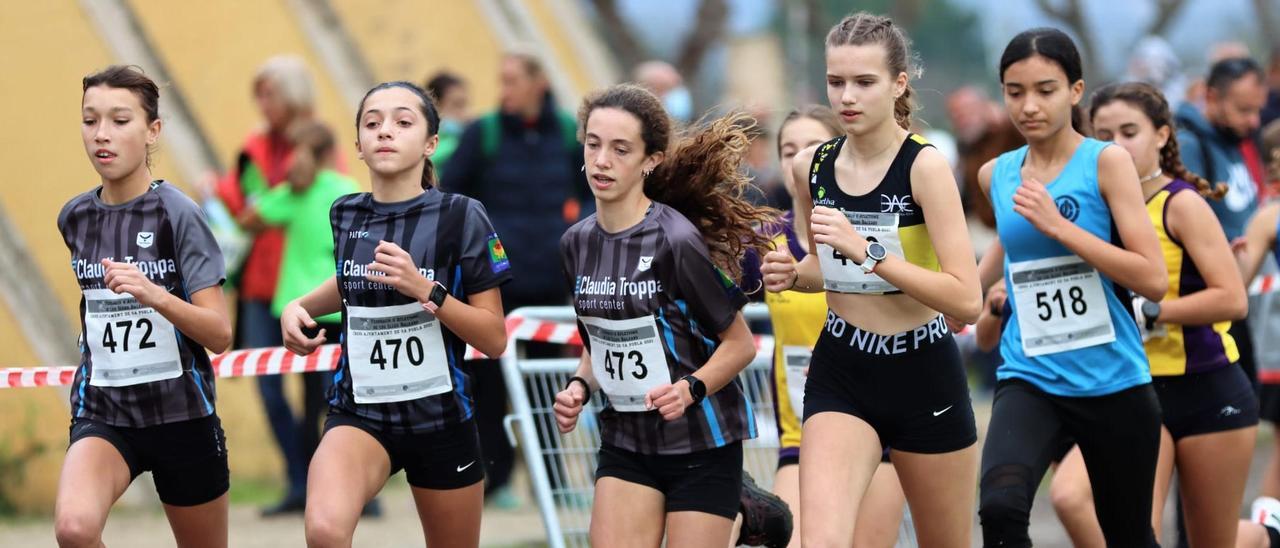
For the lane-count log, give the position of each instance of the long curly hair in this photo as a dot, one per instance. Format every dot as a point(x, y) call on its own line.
point(701, 176)
point(1152, 103)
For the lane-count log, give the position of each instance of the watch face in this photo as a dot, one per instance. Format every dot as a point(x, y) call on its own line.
point(876, 251)
point(438, 294)
point(1150, 309)
point(696, 388)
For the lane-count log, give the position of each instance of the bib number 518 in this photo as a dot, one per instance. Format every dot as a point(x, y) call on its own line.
point(615, 363)
point(1045, 302)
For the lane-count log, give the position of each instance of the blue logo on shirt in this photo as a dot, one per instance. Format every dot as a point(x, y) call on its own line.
point(1068, 207)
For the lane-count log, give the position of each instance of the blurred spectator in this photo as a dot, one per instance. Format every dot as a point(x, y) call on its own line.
point(1271, 112)
point(761, 164)
point(1154, 62)
point(665, 81)
point(450, 94)
point(523, 162)
point(284, 93)
point(1271, 153)
point(301, 209)
point(1217, 52)
point(1219, 141)
point(982, 131)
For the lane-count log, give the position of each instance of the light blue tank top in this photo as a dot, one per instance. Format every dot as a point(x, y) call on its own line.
point(1072, 346)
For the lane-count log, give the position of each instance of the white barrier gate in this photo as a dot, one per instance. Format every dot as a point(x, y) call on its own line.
point(562, 467)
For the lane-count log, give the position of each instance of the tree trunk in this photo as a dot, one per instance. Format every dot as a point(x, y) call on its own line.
point(1270, 27)
point(709, 30)
point(629, 51)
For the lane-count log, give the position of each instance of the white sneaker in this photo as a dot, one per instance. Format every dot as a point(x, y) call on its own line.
point(1266, 511)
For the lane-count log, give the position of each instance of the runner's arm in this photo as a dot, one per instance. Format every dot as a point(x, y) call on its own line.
point(1223, 298)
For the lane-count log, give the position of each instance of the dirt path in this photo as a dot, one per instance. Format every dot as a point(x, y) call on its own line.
point(399, 526)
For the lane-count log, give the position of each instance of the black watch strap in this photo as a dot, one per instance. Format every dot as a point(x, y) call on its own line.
point(438, 294)
point(586, 387)
point(697, 389)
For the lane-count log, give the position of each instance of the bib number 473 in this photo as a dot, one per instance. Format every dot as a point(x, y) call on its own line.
point(1046, 301)
point(615, 364)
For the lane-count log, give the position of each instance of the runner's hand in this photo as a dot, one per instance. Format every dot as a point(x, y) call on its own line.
point(1033, 201)
point(670, 400)
point(393, 266)
point(779, 270)
point(953, 324)
point(1240, 247)
point(569, 404)
point(126, 278)
point(831, 227)
point(292, 321)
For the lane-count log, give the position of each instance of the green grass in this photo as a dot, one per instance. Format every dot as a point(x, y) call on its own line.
point(255, 492)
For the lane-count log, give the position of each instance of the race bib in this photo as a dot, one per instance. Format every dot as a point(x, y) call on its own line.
point(129, 343)
point(841, 274)
point(396, 353)
point(1061, 305)
point(796, 360)
point(627, 359)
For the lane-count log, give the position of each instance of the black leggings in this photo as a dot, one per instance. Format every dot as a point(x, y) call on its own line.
point(1118, 434)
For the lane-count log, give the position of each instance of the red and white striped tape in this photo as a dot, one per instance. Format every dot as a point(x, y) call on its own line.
point(278, 360)
point(1264, 284)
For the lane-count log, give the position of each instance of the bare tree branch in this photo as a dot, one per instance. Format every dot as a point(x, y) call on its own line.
point(625, 45)
point(1267, 21)
point(1071, 14)
point(1165, 12)
point(707, 31)
point(906, 13)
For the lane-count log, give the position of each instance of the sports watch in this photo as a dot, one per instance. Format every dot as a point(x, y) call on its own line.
point(1151, 311)
point(875, 255)
point(696, 389)
point(436, 299)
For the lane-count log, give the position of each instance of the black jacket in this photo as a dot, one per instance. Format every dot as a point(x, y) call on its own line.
point(524, 184)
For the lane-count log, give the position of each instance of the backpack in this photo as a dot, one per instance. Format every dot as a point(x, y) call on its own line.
point(491, 133)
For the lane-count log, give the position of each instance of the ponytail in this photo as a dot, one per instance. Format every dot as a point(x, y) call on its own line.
point(428, 174)
point(428, 110)
point(1171, 164)
point(903, 106)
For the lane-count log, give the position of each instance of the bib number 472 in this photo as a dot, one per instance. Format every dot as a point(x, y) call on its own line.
point(1046, 301)
point(615, 365)
point(124, 328)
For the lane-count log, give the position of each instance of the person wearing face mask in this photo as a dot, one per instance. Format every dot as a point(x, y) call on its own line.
point(1271, 112)
point(665, 82)
point(452, 97)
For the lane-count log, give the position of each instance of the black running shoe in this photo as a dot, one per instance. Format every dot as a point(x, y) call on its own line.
point(766, 519)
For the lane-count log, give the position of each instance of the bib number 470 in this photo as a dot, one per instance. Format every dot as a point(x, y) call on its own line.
point(1046, 301)
point(413, 351)
point(125, 327)
point(615, 364)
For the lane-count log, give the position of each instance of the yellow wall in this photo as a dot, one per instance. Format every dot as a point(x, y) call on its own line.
point(44, 158)
point(563, 49)
point(410, 40)
point(213, 50)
